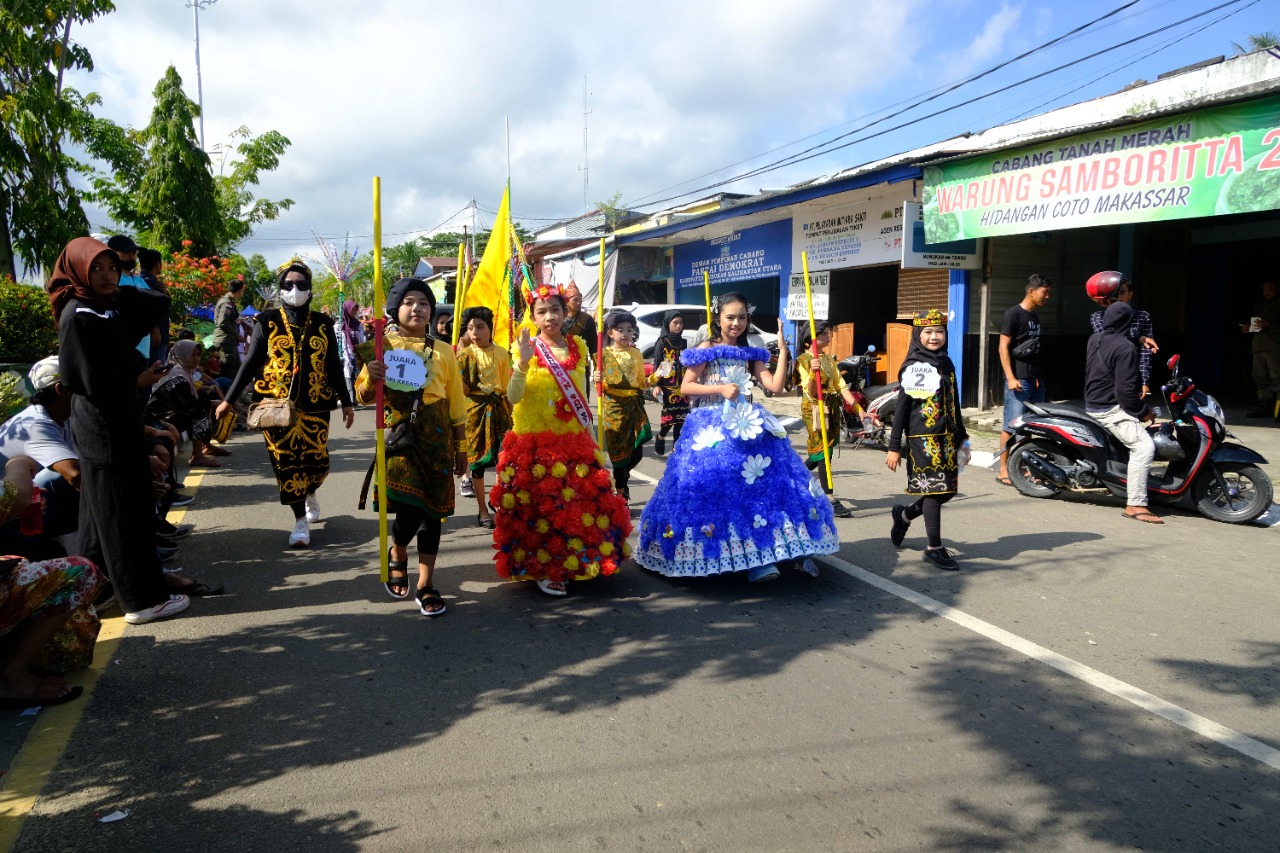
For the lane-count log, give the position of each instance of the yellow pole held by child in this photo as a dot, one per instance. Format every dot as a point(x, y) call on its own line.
point(816, 365)
point(378, 325)
point(459, 291)
point(706, 294)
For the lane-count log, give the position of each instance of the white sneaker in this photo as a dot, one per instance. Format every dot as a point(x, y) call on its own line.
point(313, 509)
point(301, 535)
point(468, 491)
point(175, 605)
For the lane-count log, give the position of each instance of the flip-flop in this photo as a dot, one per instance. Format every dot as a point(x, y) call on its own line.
point(14, 703)
point(1004, 481)
point(199, 589)
point(1144, 517)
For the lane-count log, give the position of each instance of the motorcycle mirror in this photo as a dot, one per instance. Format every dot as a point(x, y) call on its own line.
point(1173, 362)
point(871, 348)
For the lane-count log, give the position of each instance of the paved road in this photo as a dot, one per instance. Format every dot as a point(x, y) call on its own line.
point(308, 711)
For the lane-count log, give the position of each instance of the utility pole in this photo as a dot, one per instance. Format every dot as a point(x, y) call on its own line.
point(586, 171)
point(196, 6)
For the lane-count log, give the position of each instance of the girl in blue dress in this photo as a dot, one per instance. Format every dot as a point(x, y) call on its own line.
point(735, 495)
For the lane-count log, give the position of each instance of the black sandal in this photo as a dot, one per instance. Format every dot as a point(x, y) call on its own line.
point(430, 595)
point(401, 566)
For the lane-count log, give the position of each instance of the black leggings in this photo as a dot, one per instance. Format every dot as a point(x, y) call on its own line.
point(622, 470)
point(410, 520)
point(930, 506)
point(668, 427)
point(813, 465)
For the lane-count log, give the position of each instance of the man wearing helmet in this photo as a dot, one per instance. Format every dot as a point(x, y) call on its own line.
point(1108, 287)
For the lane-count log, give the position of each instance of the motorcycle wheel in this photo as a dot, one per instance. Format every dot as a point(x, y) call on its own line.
point(1024, 478)
point(1249, 493)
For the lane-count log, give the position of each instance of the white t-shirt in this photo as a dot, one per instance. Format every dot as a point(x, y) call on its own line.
point(33, 433)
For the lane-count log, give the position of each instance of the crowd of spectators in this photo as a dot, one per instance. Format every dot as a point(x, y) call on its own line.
point(90, 467)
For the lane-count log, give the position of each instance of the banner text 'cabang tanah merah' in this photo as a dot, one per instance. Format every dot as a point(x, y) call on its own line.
point(1205, 163)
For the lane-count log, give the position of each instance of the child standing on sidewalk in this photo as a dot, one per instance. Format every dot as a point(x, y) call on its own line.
point(937, 444)
point(626, 426)
point(675, 405)
point(486, 371)
point(557, 516)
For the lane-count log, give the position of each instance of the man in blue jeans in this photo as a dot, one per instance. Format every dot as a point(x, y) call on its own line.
point(1020, 358)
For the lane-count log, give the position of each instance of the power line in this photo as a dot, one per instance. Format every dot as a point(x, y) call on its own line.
point(924, 98)
point(800, 157)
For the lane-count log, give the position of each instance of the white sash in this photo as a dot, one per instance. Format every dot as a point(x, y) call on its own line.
point(565, 381)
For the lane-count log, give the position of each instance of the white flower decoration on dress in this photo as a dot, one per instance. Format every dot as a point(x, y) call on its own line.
point(742, 420)
point(772, 424)
point(753, 467)
point(707, 437)
point(815, 488)
point(738, 375)
point(759, 521)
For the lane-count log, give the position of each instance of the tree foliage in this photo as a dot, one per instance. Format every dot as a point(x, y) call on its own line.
point(27, 330)
point(1257, 41)
point(192, 280)
point(242, 165)
point(177, 200)
point(40, 210)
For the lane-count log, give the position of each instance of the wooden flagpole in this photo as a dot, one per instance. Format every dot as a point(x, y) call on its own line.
point(379, 326)
point(817, 368)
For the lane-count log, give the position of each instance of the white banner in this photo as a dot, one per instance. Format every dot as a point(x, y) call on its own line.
point(918, 255)
point(797, 304)
point(857, 235)
point(587, 277)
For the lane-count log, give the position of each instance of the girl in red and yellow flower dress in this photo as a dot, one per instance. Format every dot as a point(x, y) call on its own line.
point(557, 517)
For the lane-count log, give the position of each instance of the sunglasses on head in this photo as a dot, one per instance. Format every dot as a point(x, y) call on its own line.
point(290, 285)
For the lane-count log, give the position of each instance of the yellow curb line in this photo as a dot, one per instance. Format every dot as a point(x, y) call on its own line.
point(47, 742)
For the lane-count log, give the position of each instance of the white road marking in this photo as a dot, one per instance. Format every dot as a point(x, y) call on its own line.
point(1193, 722)
point(644, 478)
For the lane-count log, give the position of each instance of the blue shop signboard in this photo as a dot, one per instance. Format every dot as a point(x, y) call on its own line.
point(752, 253)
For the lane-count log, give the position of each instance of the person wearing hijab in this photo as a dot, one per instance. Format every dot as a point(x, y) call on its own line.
point(175, 399)
point(99, 326)
point(835, 393)
point(443, 323)
point(423, 389)
point(675, 406)
point(937, 444)
point(293, 354)
point(350, 336)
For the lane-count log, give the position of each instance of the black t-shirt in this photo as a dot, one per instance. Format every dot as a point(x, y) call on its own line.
point(1022, 326)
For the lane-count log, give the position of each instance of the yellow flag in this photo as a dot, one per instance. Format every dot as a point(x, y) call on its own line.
point(489, 286)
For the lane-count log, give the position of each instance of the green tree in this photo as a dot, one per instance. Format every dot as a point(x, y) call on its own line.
point(1257, 41)
point(40, 210)
point(241, 213)
point(177, 199)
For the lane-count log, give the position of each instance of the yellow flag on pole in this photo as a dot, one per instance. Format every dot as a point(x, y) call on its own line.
point(490, 286)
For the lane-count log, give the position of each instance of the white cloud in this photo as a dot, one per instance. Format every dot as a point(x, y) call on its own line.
point(988, 45)
point(417, 93)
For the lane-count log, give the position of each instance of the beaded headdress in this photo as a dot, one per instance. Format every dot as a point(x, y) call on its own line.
point(932, 317)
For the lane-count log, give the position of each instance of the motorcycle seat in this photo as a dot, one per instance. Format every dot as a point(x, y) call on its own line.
point(1070, 410)
point(874, 391)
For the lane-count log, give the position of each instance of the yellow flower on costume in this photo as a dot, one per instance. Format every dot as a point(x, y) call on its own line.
point(508, 501)
point(602, 521)
point(522, 496)
point(606, 548)
point(567, 493)
point(558, 470)
point(571, 563)
point(539, 470)
point(575, 544)
point(581, 470)
point(588, 519)
point(543, 556)
point(542, 526)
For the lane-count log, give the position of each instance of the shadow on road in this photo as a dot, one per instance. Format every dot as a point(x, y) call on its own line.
point(1122, 779)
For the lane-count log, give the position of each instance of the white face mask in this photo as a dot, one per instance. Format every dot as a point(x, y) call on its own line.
point(295, 298)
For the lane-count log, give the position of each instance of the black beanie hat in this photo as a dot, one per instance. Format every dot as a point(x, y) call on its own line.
point(401, 289)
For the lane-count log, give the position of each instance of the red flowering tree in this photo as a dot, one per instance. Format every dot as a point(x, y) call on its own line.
point(192, 282)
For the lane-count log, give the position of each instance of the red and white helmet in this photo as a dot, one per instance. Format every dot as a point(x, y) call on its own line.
point(1104, 287)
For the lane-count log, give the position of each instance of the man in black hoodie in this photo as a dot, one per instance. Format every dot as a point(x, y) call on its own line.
point(1113, 397)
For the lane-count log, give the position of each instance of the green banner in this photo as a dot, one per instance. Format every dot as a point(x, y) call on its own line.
point(1203, 163)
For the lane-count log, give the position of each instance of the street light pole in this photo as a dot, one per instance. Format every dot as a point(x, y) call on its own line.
point(196, 6)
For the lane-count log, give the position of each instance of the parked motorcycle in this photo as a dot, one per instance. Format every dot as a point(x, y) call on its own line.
point(1054, 448)
point(869, 425)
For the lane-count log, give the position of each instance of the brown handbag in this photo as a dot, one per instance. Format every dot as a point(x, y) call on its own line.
point(275, 413)
point(272, 414)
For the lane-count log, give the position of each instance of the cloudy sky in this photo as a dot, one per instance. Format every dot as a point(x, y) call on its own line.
point(681, 94)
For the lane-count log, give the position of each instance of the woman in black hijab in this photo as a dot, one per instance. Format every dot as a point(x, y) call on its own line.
point(937, 442)
point(675, 406)
point(293, 354)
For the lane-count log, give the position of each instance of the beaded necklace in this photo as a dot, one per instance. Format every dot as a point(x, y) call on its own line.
point(293, 342)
